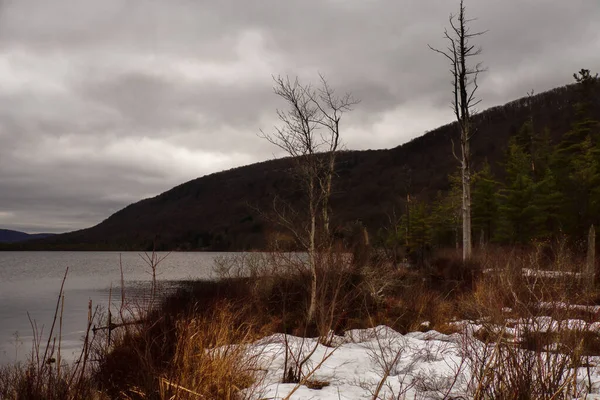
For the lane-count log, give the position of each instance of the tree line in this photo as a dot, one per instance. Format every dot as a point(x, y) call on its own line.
point(547, 189)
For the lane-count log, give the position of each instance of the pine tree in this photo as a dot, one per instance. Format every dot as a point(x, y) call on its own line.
point(584, 125)
point(517, 209)
point(585, 177)
point(547, 200)
point(485, 202)
point(415, 230)
point(446, 221)
point(577, 162)
point(525, 137)
point(542, 154)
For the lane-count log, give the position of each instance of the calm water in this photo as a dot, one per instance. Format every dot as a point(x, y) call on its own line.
point(30, 283)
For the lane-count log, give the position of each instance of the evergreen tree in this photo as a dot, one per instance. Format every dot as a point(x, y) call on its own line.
point(585, 177)
point(583, 108)
point(485, 202)
point(517, 209)
point(576, 162)
point(446, 222)
point(415, 230)
point(584, 125)
point(542, 155)
point(547, 200)
point(537, 146)
point(525, 137)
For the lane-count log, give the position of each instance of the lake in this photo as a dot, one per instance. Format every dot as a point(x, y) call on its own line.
point(30, 283)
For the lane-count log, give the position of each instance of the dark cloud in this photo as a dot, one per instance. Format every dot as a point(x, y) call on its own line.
point(104, 103)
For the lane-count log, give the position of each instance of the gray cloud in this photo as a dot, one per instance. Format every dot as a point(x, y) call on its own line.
point(105, 103)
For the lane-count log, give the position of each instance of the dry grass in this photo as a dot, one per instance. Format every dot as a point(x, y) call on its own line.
point(195, 353)
point(522, 350)
point(194, 345)
point(211, 358)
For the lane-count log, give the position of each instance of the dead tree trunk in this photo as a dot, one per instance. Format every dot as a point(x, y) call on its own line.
point(466, 201)
point(464, 83)
point(590, 271)
point(312, 253)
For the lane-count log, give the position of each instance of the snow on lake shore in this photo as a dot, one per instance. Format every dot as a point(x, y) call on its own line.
point(413, 366)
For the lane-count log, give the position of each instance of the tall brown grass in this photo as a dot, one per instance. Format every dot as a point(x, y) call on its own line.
point(525, 347)
point(195, 343)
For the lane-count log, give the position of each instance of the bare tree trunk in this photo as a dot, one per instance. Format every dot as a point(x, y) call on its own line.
point(466, 205)
point(465, 85)
point(313, 275)
point(456, 237)
point(312, 253)
point(591, 258)
point(326, 197)
point(332, 123)
point(465, 123)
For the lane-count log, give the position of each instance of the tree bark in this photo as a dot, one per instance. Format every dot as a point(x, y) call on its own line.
point(466, 203)
point(591, 258)
point(312, 255)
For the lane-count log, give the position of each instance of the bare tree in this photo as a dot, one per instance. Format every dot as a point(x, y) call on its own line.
point(310, 134)
point(464, 82)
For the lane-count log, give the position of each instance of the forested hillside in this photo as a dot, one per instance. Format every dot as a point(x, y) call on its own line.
point(537, 176)
point(543, 186)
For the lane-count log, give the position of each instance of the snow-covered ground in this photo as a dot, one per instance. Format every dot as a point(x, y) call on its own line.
point(417, 365)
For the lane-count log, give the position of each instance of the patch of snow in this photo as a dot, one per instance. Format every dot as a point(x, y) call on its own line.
point(422, 365)
point(568, 307)
point(541, 273)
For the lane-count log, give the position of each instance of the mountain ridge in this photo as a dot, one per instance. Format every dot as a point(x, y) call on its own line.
point(11, 236)
point(219, 211)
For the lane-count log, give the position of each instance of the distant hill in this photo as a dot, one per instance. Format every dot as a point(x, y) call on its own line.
point(8, 236)
point(219, 211)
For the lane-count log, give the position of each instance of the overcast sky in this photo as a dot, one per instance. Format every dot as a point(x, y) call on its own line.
point(106, 102)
